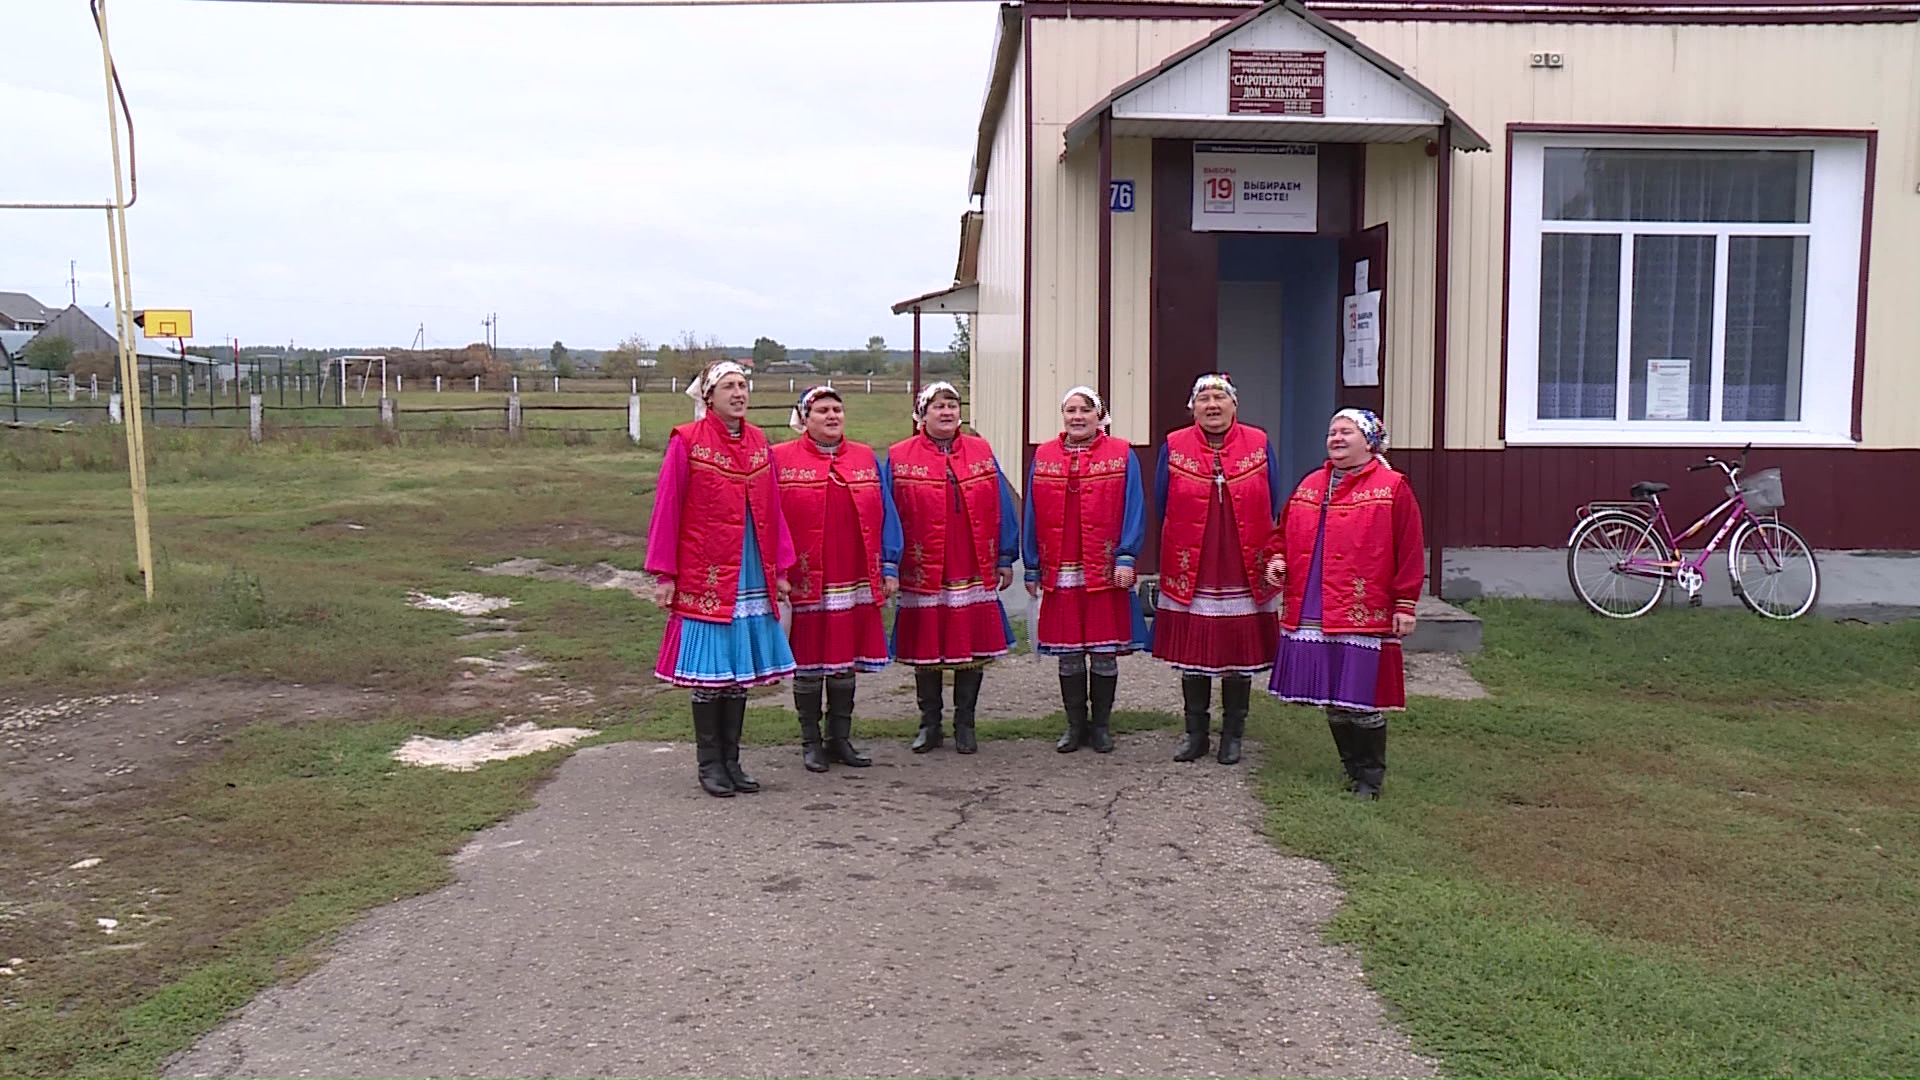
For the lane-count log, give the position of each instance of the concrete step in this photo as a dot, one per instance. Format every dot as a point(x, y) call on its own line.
point(1443, 628)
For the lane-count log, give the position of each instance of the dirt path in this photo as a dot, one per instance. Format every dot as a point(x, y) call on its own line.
point(61, 753)
point(1012, 913)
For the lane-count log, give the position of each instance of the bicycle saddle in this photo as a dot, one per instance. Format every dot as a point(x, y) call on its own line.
point(1647, 489)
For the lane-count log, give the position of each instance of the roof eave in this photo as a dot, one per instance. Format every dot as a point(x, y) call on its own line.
point(1464, 136)
point(951, 300)
point(1006, 50)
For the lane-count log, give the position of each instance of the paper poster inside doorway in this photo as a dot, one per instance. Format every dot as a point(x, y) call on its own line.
point(1256, 187)
point(1360, 337)
point(1669, 388)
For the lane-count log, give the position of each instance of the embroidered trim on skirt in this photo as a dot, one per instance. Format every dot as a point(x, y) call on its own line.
point(1073, 620)
point(841, 632)
point(962, 624)
point(751, 650)
point(1221, 633)
point(1348, 671)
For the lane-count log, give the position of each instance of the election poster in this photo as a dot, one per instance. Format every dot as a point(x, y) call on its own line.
point(1256, 187)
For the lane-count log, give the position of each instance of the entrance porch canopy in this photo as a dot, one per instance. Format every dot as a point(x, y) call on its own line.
point(1326, 87)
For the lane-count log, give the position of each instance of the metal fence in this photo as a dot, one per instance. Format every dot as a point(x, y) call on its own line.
point(239, 397)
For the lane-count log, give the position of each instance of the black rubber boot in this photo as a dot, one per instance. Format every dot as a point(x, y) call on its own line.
point(1371, 771)
point(1236, 697)
point(1100, 693)
point(806, 701)
point(1343, 741)
point(733, 720)
point(929, 689)
point(966, 697)
point(709, 750)
point(840, 748)
point(1197, 691)
point(1073, 695)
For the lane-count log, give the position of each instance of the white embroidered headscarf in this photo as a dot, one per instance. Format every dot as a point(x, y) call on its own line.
point(1103, 417)
point(702, 385)
point(1372, 428)
point(927, 394)
point(1213, 381)
point(798, 421)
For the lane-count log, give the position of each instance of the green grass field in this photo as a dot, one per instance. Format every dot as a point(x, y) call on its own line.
point(1680, 846)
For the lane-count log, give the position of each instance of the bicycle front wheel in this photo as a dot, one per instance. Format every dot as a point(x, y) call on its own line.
point(1618, 565)
point(1774, 572)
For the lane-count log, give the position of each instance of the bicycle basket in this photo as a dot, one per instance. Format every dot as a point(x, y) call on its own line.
point(1763, 491)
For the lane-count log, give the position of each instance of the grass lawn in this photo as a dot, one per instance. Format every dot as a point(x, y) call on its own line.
point(1684, 846)
point(1680, 846)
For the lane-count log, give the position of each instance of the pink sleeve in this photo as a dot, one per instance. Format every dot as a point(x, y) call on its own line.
point(663, 536)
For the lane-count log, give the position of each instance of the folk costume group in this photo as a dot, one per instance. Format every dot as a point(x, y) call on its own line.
point(1316, 585)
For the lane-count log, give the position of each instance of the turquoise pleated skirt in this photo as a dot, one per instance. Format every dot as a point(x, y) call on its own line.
point(751, 650)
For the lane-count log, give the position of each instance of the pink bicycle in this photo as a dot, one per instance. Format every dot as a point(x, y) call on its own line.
point(1622, 555)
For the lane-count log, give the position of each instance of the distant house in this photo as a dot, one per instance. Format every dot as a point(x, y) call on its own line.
point(13, 343)
point(91, 331)
point(18, 311)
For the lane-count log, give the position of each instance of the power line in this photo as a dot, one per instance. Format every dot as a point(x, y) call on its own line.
point(576, 3)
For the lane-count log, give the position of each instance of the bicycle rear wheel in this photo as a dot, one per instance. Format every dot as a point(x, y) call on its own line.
point(1612, 565)
point(1774, 572)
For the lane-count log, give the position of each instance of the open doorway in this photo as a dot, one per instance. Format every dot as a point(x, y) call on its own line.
point(1278, 336)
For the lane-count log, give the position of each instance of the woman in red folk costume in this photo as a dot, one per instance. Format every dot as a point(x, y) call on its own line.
point(1351, 534)
point(830, 492)
point(717, 539)
point(1215, 490)
point(952, 549)
point(1085, 519)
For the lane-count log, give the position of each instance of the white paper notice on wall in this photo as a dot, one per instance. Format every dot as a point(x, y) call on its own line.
point(1669, 388)
point(1360, 346)
point(1360, 282)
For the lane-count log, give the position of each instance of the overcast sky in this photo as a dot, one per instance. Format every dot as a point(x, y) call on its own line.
point(340, 176)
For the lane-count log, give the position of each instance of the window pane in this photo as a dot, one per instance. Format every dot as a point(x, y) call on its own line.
point(1766, 327)
point(1677, 185)
point(1579, 326)
point(1672, 334)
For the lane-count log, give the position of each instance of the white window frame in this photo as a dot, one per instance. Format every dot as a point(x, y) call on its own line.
point(1835, 231)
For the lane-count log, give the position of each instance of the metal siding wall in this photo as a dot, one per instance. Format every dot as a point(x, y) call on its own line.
point(998, 368)
point(1400, 192)
point(1838, 76)
point(1133, 294)
point(1080, 61)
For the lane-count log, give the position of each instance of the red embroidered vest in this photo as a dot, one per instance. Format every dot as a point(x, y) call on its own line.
point(921, 495)
point(724, 477)
point(1242, 461)
point(807, 475)
point(1371, 566)
point(1099, 475)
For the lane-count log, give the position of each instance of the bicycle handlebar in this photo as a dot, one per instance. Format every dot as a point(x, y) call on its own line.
point(1724, 466)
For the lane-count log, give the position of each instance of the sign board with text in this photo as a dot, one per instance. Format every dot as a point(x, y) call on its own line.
point(1256, 187)
point(1277, 82)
